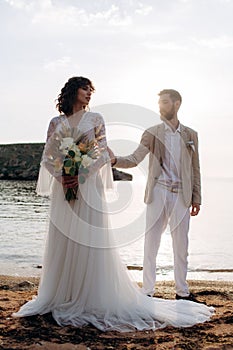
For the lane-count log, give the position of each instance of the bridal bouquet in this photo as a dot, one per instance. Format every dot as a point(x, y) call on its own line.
point(78, 157)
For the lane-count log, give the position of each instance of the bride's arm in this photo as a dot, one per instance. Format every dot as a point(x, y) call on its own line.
point(47, 170)
point(51, 158)
point(52, 126)
point(104, 152)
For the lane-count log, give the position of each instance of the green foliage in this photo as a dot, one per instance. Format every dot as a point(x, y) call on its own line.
point(71, 153)
point(77, 165)
point(81, 179)
point(84, 170)
point(71, 194)
point(72, 171)
point(68, 163)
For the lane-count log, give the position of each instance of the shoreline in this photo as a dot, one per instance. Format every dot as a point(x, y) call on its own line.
point(135, 272)
point(41, 332)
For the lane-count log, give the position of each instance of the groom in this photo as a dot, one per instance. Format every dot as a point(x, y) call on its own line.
point(173, 187)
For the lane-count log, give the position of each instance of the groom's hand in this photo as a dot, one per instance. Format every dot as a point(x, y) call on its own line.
point(195, 209)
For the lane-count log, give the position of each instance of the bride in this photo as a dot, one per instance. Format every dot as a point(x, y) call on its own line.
point(83, 279)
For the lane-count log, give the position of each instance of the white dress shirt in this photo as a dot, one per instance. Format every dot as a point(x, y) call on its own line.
point(171, 167)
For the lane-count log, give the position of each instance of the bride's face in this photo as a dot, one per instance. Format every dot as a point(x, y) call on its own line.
point(84, 95)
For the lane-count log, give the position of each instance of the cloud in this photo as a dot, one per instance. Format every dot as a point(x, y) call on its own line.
point(222, 42)
point(114, 14)
point(168, 46)
point(21, 4)
point(62, 62)
point(143, 10)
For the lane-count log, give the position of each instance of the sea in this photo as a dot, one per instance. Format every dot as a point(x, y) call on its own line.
point(24, 225)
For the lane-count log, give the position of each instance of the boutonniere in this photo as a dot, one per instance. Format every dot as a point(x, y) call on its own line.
point(190, 144)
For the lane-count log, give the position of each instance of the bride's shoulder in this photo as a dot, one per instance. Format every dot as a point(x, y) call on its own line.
point(56, 120)
point(54, 124)
point(95, 117)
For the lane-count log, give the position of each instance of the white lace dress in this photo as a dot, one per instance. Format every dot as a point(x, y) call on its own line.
point(83, 279)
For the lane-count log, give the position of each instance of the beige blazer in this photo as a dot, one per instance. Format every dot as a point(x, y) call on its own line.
point(152, 142)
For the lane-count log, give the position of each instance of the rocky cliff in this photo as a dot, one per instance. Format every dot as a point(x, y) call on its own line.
point(22, 162)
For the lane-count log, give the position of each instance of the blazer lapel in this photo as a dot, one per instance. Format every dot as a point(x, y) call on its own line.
point(160, 135)
point(183, 133)
point(185, 137)
point(160, 138)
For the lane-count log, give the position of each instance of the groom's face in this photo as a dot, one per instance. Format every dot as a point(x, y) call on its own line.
point(166, 107)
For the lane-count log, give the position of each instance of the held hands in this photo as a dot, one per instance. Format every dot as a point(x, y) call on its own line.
point(195, 209)
point(112, 156)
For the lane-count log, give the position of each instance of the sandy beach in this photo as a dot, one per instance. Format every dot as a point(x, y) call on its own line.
point(41, 332)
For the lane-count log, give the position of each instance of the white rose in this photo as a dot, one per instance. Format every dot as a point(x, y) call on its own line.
point(77, 158)
point(66, 144)
point(86, 161)
point(76, 150)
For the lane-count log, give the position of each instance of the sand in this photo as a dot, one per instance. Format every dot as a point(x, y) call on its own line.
point(42, 333)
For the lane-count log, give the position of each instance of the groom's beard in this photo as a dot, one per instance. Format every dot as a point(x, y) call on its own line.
point(167, 116)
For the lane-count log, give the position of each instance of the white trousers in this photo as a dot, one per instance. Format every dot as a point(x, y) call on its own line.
point(167, 208)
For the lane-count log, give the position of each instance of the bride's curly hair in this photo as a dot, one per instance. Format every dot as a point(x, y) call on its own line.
point(68, 95)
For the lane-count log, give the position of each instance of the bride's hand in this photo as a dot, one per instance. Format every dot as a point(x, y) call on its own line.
point(112, 156)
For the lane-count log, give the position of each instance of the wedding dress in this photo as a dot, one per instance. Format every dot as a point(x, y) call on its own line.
point(83, 279)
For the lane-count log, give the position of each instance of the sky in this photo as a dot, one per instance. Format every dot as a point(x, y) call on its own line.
point(130, 49)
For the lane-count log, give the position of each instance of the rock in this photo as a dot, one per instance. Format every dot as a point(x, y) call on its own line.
point(22, 162)
point(24, 285)
point(132, 267)
point(121, 176)
point(39, 266)
point(5, 287)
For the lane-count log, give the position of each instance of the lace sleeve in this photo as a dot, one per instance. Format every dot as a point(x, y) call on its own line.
point(52, 158)
point(46, 173)
point(100, 135)
point(52, 127)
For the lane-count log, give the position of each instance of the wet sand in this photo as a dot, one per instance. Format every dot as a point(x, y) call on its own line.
point(42, 333)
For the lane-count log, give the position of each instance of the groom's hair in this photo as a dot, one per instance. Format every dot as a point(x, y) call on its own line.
point(175, 95)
